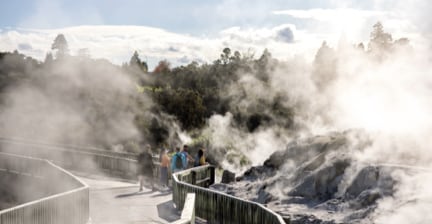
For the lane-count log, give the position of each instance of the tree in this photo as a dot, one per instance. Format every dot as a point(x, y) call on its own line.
point(225, 57)
point(135, 62)
point(48, 58)
point(325, 66)
point(185, 104)
point(60, 44)
point(83, 53)
point(264, 65)
point(162, 68)
point(380, 41)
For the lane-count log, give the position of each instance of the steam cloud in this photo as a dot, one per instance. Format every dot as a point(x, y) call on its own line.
point(388, 98)
point(72, 102)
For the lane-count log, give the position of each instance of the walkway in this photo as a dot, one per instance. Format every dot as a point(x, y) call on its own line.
point(116, 202)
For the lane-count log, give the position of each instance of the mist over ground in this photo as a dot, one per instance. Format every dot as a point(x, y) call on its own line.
point(241, 108)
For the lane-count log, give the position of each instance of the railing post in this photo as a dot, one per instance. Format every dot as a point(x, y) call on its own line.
point(212, 175)
point(193, 177)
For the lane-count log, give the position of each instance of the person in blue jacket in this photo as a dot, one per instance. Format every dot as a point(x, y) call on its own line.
point(187, 157)
point(177, 161)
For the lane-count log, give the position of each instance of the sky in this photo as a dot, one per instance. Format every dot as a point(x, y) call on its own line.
point(183, 31)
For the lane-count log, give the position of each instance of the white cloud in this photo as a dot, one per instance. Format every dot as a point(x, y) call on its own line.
point(353, 24)
point(330, 14)
point(117, 43)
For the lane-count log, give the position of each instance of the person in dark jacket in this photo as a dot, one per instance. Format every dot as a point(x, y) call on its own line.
point(200, 159)
point(145, 168)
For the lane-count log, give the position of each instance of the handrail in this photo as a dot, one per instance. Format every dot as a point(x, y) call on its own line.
point(71, 206)
point(57, 146)
point(211, 205)
point(215, 206)
point(112, 164)
point(188, 213)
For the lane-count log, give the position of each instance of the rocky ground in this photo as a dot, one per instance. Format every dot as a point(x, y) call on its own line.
point(317, 180)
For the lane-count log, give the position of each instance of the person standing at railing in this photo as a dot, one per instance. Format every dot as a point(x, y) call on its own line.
point(164, 164)
point(177, 161)
point(187, 157)
point(200, 159)
point(145, 167)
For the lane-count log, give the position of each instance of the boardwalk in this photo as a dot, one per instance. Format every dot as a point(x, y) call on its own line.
point(117, 202)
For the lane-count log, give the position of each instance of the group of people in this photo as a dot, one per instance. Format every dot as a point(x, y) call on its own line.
point(170, 162)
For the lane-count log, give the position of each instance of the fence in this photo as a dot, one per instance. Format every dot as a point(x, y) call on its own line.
point(213, 206)
point(188, 213)
point(218, 207)
point(57, 146)
point(68, 202)
point(93, 161)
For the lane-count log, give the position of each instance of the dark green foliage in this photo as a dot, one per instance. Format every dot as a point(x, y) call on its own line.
point(15, 68)
point(185, 104)
point(159, 132)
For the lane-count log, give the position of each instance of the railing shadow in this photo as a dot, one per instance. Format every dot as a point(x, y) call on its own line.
point(167, 211)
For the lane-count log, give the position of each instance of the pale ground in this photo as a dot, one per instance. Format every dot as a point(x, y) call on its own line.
point(118, 202)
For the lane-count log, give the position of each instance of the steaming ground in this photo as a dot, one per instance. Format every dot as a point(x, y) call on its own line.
point(321, 180)
point(330, 175)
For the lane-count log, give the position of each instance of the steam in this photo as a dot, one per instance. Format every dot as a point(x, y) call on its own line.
point(74, 102)
point(386, 96)
point(243, 149)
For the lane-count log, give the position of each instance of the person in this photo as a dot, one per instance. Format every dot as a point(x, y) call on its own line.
point(177, 161)
point(200, 158)
point(187, 158)
point(164, 164)
point(172, 152)
point(145, 167)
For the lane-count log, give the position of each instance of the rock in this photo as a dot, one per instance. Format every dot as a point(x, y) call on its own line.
point(366, 179)
point(227, 177)
point(305, 189)
point(307, 219)
point(302, 182)
point(366, 198)
point(257, 172)
point(303, 151)
point(222, 188)
point(360, 216)
point(264, 197)
point(323, 183)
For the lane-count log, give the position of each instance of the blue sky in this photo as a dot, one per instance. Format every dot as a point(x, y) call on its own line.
point(188, 16)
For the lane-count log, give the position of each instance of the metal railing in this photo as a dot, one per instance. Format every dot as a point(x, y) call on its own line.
point(188, 213)
point(122, 165)
point(218, 207)
point(68, 200)
point(213, 206)
point(86, 160)
point(58, 146)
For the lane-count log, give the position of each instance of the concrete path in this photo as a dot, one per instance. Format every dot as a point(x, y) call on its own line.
point(117, 202)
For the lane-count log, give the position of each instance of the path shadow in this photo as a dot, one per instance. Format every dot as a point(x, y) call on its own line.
point(167, 211)
point(161, 194)
point(134, 194)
